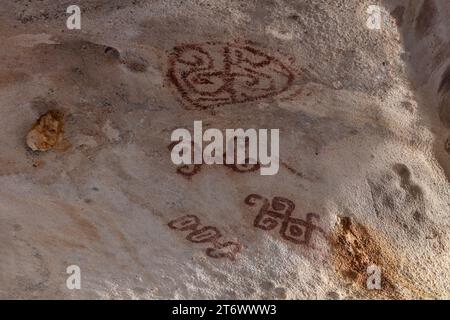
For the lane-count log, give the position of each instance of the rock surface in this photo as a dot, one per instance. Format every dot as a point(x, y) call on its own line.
point(47, 132)
point(364, 127)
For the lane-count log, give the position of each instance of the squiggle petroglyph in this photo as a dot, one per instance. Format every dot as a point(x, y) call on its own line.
point(206, 234)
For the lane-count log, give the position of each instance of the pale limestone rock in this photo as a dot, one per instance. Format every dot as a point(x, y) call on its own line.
point(363, 119)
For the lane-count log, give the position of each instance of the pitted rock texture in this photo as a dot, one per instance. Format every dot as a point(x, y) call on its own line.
point(364, 158)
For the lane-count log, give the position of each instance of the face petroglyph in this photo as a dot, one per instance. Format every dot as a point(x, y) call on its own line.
point(214, 74)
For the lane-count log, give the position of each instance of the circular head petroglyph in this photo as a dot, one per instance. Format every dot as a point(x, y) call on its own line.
point(215, 73)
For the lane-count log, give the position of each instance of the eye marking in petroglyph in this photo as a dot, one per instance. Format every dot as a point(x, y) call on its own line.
point(206, 234)
point(188, 170)
point(213, 74)
point(271, 214)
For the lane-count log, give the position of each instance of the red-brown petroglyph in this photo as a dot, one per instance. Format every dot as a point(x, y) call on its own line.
point(278, 211)
point(188, 170)
point(214, 74)
point(206, 234)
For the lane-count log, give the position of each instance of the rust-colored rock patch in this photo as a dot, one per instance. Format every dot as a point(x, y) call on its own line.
point(354, 249)
point(47, 132)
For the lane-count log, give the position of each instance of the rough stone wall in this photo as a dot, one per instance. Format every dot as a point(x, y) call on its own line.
point(363, 119)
